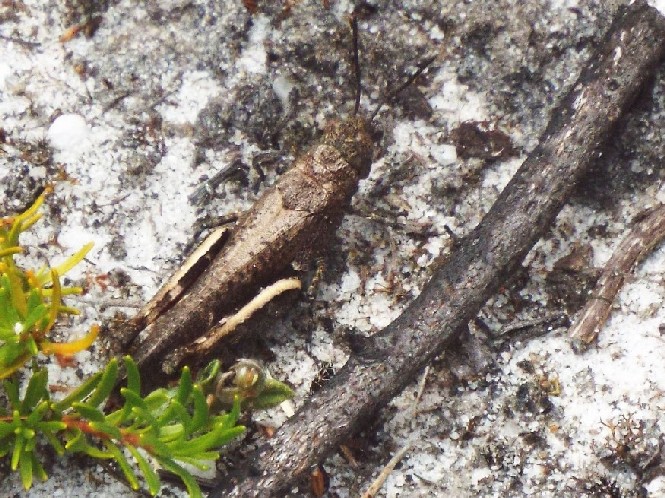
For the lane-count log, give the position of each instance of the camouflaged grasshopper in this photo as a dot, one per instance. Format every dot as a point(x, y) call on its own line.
point(285, 221)
point(228, 270)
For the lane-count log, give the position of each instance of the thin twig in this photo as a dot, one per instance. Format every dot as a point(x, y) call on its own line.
point(422, 66)
point(383, 476)
point(644, 236)
point(486, 258)
point(421, 389)
point(111, 303)
point(534, 327)
point(392, 463)
point(356, 63)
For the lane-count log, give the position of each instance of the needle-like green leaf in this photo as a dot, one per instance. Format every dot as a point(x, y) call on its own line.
point(25, 469)
point(190, 483)
point(35, 392)
point(123, 464)
point(106, 384)
point(185, 386)
point(79, 393)
point(149, 474)
point(88, 412)
point(133, 376)
point(201, 414)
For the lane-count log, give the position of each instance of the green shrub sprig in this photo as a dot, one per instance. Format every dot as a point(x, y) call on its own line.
point(31, 301)
point(172, 429)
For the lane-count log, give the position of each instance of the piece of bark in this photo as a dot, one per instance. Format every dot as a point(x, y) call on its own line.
point(523, 212)
point(644, 236)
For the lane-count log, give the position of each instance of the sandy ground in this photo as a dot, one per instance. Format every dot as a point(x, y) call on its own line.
point(171, 114)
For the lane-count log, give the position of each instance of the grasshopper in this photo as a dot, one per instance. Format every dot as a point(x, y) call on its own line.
point(229, 269)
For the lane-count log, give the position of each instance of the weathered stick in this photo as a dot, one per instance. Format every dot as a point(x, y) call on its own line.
point(643, 237)
point(634, 45)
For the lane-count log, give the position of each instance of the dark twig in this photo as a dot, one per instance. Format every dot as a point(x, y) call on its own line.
point(422, 66)
point(605, 89)
point(644, 236)
point(534, 327)
point(20, 41)
point(356, 63)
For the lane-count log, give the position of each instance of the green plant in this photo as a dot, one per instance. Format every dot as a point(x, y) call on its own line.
point(31, 301)
point(169, 428)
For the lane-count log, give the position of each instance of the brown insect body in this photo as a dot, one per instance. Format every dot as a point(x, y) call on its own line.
point(286, 221)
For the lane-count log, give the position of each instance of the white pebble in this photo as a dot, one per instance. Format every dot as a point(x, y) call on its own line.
point(67, 132)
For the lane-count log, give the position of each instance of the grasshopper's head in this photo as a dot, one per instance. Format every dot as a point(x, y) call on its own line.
point(352, 139)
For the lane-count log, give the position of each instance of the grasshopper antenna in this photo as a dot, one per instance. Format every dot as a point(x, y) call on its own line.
point(421, 68)
point(356, 62)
